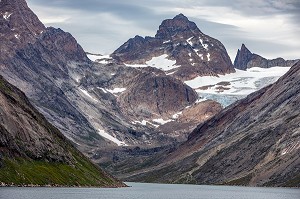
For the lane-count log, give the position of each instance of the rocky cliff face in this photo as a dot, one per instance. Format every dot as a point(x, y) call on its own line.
point(154, 95)
point(252, 142)
point(245, 59)
point(178, 39)
point(87, 101)
point(33, 152)
point(19, 26)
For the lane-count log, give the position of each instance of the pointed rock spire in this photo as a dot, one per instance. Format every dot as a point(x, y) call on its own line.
point(242, 58)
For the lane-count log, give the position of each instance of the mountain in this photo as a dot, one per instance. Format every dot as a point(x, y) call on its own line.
point(33, 152)
point(88, 101)
point(179, 48)
point(254, 142)
point(246, 59)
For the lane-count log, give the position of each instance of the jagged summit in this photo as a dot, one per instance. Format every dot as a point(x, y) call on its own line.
point(171, 27)
point(246, 59)
point(16, 17)
point(179, 40)
point(242, 57)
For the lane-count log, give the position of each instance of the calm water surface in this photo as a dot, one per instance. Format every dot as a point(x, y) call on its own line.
point(151, 191)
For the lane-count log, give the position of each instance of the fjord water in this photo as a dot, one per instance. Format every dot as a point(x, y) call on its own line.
point(151, 191)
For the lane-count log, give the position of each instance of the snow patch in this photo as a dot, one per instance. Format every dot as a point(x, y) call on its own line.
point(88, 95)
point(103, 89)
point(161, 121)
point(166, 41)
point(111, 138)
point(176, 115)
point(208, 57)
point(200, 55)
point(116, 90)
point(160, 62)
point(171, 73)
point(102, 59)
point(17, 36)
point(144, 122)
point(204, 45)
point(189, 41)
point(7, 15)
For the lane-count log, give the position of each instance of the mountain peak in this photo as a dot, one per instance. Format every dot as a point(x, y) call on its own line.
point(245, 49)
point(242, 57)
point(246, 59)
point(180, 17)
point(179, 24)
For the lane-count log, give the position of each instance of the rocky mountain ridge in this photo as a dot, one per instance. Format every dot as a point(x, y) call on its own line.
point(179, 40)
point(246, 59)
point(35, 153)
point(254, 142)
point(85, 100)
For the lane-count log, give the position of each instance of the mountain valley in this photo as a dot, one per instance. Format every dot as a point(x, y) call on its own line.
point(166, 108)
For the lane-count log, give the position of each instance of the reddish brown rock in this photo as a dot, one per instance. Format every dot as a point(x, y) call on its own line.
point(197, 54)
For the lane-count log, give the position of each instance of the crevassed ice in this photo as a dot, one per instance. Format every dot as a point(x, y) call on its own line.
point(241, 82)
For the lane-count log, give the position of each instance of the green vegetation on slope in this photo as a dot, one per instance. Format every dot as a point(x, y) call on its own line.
point(34, 152)
point(27, 172)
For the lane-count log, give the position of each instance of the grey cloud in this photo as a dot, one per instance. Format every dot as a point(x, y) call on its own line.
point(256, 7)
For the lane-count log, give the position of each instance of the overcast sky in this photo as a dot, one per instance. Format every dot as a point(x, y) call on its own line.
point(270, 28)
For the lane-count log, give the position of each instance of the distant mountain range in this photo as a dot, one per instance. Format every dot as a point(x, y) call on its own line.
point(143, 99)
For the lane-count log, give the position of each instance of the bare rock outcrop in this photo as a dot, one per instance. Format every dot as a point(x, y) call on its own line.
point(195, 53)
point(246, 59)
point(255, 142)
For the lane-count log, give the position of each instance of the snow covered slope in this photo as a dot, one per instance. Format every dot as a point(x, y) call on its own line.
point(228, 88)
point(161, 62)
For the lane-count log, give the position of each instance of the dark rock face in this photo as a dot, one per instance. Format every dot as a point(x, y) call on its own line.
point(252, 142)
point(156, 95)
point(180, 39)
point(245, 59)
point(27, 137)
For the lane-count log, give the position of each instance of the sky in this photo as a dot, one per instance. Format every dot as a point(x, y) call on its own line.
point(270, 28)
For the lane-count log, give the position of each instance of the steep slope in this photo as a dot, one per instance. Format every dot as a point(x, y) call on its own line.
point(33, 152)
point(179, 48)
point(86, 101)
point(155, 95)
point(246, 59)
point(36, 59)
point(255, 142)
